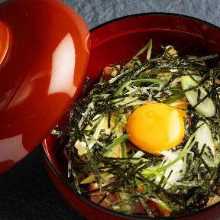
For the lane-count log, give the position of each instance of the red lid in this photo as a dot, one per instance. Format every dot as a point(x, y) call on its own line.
point(43, 56)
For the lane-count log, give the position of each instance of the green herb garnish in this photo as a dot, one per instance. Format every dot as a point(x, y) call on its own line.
point(105, 167)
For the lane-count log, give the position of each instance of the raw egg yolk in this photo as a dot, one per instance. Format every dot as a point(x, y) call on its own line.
point(155, 127)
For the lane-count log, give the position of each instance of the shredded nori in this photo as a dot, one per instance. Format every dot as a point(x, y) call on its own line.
point(152, 79)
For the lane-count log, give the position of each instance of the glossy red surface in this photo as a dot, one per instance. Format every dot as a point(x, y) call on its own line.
point(116, 42)
point(42, 71)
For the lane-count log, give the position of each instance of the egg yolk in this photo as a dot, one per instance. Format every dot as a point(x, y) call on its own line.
point(155, 127)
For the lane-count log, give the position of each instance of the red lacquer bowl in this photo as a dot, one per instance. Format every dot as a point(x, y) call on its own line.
point(43, 57)
point(116, 42)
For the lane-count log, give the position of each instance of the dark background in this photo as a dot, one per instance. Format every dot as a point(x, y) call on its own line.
point(25, 191)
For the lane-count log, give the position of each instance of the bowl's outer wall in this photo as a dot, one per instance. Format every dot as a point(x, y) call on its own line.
point(44, 35)
point(116, 42)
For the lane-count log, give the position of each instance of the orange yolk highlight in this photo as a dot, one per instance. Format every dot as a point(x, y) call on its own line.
point(156, 127)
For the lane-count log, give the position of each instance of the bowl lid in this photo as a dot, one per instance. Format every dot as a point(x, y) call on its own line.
point(43, 56)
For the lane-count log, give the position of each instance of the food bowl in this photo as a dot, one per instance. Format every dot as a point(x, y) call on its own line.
point(115, 42)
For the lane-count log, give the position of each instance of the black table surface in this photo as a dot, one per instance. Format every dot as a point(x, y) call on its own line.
point(26, 191)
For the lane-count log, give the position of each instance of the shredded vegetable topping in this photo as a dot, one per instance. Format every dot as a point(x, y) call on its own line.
point(105, 165)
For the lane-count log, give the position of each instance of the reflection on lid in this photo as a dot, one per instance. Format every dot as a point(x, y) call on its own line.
point(63, 65)
point(12, 148)
point(5, 41)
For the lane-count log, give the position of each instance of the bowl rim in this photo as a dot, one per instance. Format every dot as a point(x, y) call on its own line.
point(65, 180)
